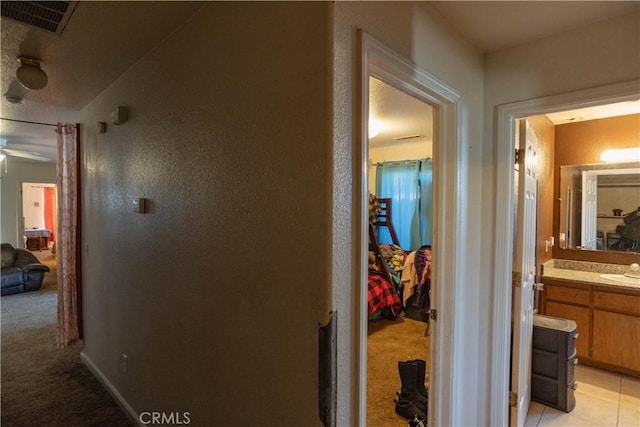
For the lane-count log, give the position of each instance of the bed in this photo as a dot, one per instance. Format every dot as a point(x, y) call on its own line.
point(397, 281)
point(36, 238)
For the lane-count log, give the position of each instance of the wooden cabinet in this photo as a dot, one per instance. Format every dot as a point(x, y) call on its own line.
point(571, 295)
point(580, 315)
point(616, 329)
point(570, 301)
point(607, 318)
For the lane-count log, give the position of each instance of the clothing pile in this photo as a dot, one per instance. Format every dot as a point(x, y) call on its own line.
point(384, 294)
point(629, 233)
point(416, 280)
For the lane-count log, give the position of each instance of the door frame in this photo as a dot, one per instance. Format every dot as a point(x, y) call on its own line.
point(506, 116)
point(21, 225)
point(383, 63)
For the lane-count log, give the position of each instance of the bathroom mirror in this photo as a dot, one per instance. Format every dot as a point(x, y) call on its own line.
point(594, 199)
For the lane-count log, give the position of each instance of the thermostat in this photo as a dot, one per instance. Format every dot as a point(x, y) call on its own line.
point(138, 205)
point(120, 115)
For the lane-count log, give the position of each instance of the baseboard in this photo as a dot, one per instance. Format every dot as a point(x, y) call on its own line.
point(124, 405)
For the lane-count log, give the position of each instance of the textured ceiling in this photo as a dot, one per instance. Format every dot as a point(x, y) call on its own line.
point(100, 42)
point(491, 26)
point(105, 38)
point(494, 25)
point(398, 115)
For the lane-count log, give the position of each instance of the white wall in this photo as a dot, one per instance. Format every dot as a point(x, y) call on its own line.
point(11, 183)
point(417, 32)
point(407, 151)
point(609, 198)
point(213, 294)
point(33, 206)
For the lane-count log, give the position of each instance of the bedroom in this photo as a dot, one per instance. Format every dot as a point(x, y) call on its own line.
point(400, 182)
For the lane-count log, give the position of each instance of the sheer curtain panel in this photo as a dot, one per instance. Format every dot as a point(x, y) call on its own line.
point(426, 201)
point(66, 244)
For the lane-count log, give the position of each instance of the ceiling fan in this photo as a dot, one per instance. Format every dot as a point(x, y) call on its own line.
point(19, 153)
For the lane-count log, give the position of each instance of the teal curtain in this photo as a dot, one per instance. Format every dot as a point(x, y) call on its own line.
point(409, 186)
point(426, 201)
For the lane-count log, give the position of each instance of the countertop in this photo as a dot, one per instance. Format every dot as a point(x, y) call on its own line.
point(586, 273)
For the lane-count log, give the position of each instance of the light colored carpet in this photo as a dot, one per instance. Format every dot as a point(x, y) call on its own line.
point(389, 342)
point(42, 385)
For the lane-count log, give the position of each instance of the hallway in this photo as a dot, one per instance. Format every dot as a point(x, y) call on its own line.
point(42, 385)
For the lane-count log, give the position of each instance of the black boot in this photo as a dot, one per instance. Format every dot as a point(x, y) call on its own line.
point(409, 378)
point(421, 374)
point(406, 408)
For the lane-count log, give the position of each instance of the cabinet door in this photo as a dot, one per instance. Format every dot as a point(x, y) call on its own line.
point(580, 315)
point(616, 339)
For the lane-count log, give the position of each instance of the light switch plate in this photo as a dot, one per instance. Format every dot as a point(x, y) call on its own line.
point(139, 205)
point(120, 115)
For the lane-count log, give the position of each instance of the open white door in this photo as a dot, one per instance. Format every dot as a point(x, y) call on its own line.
point(524, 269)
point(589, 207)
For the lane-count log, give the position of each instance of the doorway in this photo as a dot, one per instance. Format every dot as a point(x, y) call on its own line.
point(507, 115)
point(400, 179)
point(39, 215)
point(385, 65)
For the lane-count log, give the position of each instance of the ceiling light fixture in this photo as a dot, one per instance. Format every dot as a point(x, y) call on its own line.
point(30, 75)
point(375, 127)
point(621, 155)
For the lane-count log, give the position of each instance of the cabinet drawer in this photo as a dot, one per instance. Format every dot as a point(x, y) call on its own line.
point(580, 315)
point(571, 295)
point(617, 302)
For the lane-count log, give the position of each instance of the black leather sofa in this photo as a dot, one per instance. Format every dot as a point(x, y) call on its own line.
point(21, 271)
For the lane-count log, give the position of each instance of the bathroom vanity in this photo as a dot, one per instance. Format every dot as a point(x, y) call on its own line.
point(606, 311)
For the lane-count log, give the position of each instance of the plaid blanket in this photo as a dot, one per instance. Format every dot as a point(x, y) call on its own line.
point(374, 208)
point(382, 295)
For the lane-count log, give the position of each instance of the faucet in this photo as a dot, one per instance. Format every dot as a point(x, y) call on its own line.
point(633, 271)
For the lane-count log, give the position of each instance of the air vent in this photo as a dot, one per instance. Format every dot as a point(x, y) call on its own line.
point(403, 138)
point(50, 16)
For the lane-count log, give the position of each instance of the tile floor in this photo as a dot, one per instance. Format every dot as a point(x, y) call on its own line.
point(602, 399)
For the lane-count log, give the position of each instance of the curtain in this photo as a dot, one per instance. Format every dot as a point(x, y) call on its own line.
point(399, 181)
point(66, 244)
point(426, 201)
point(50, 211)
point(409, 185)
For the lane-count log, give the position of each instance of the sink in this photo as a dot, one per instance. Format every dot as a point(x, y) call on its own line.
point(622, 278)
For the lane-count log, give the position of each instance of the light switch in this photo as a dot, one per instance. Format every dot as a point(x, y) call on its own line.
point(139, 205)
